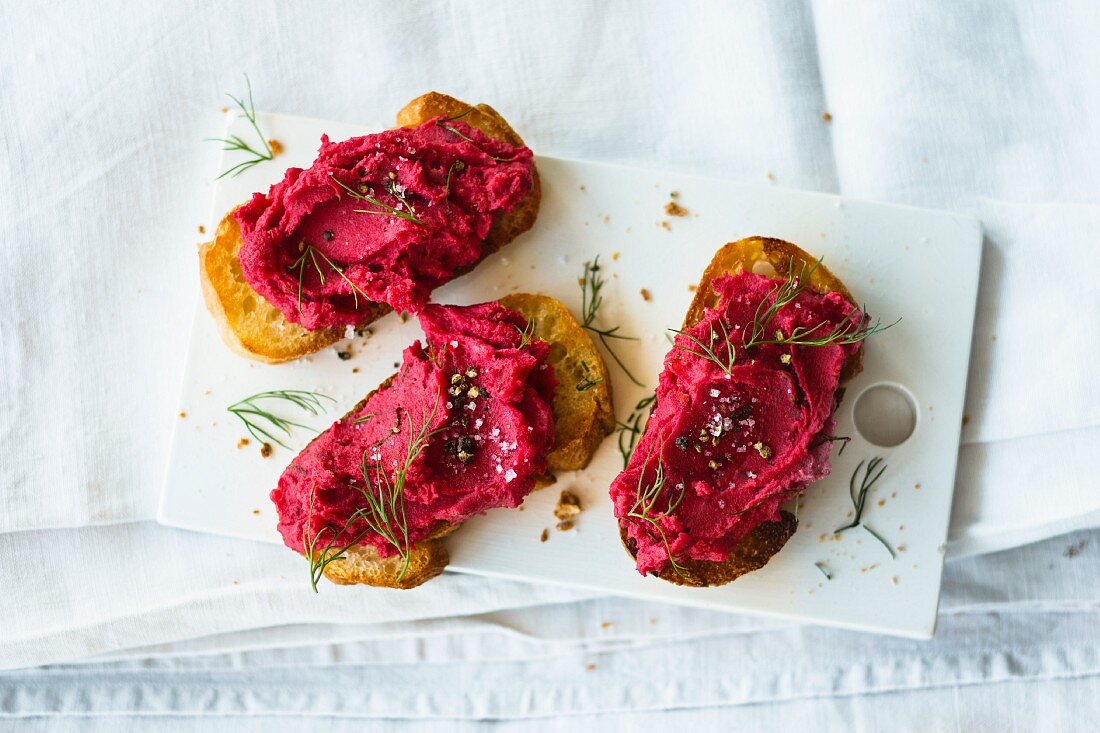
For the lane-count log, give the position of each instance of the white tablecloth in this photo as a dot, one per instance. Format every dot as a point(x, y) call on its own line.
point(987, 107)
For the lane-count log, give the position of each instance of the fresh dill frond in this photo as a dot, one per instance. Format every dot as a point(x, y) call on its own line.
point(467, 138)
point(260, 422)
point(310, 253)
point(707, 351)
point(591, 284)
point(646, 498)
point(527, 333)
point(871, 474)
point(848, 331)
point(385, 511)
point(631, 430)
point(383, 209)
point(824, 570)
point(235, 143)
point(844, 440)
point(587, 382)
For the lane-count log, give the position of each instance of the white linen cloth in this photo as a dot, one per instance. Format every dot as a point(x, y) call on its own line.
point(984, 107)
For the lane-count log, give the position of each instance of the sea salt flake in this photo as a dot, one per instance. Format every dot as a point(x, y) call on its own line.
point(714, 393)
point(509, 476)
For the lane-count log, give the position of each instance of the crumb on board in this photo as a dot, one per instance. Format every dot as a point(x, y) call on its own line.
point(665, 225)
point(590, 666)
point(615, 256)
point(202, 229)
point(402, 317)
point(266, 449)
point(606, 218)
point(771, 176)
point(183, 414)
point(242, 443)
point(582, 188)
point(674, 209)
point(674, 194)
point(255, 511)
point(224, 110)
point(568, 506)
point(692, 288)
point(645, 295)
point(916, 486)
point(652, 620)
point(276, 147)
point(355, 370)
point(1075, 550)
point(343, 354)
point(606, 625)
point(894, 580)
point(825, 116)
point(565, 526)
point(966, 420)
point(544, 536)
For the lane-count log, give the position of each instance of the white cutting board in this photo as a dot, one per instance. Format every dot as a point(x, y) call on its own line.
point(918, 264)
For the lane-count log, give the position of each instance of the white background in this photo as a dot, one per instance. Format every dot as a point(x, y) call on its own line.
point(986, 108)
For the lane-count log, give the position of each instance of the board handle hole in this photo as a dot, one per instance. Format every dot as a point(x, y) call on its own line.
point(885, 414)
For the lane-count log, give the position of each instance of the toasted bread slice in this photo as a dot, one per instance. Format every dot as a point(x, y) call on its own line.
point(254, 328)
point(753, 254)
point(582, 419)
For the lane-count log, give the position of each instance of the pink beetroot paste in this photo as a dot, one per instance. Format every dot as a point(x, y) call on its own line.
point(384, 218)
point(477, 392)
point(726, 450)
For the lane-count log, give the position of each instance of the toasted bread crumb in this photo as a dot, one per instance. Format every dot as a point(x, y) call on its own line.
point(665, 225)
point(771, 176)
point(224, 110)
point(674, 194)
point(183, 414)
point(606, 625)
point(242, 443)
point(266, 449)
point(615, 256)
point(826, 117)
point(255, 511)
point(544, 536)
point(355, 370)
point(692, 288)
point(894, 580)
point(568, 506)
point(402, 317)
point(276, 147)
point(565, 526)
point(916, 486)
point(236, 582)
point(590, 667)
point(343, 354)
point(966, 420)
point(882, 502)
point(581, 187)
point(645, 295)
point(674, 209)
point(202, 229)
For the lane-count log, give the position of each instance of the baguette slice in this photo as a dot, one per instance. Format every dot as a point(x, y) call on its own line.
point(771, 258)
point(254, 328)
point(582, 419)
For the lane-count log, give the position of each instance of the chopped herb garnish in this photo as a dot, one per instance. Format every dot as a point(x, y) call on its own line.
point(254, 417)
point(631, 430)
point(587, 382)
point(647, 497)
point(383, 209)
point(710, 351)
point(591, 284)
point(310, 253)
point(859, 498)
point(235, 143)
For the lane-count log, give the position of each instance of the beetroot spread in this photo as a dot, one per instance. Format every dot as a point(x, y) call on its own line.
point(478, 392)
point(722, 451)
point(385, 218)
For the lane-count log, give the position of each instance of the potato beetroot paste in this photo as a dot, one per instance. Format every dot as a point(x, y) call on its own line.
point(385, 218)
point(477, 397)
point(722, 450)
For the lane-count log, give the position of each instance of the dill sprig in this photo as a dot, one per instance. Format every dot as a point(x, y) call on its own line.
point(311, 253)
point(707, 351)
point(645, 506)
point(254, 417)
point(844, 440)
point(526, 334)
point(873, 472)
point(467, 138)
point(631, 430)
point(824, 570)
point(849, 331)
point(383, 209)
point(587, 382)
point(384, 514)
point(459, 166)
point(591, 284)
point(235, 143)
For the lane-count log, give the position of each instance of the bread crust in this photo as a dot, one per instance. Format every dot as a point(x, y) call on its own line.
point(768, 538)
point(254, 328)
point(581, 421)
